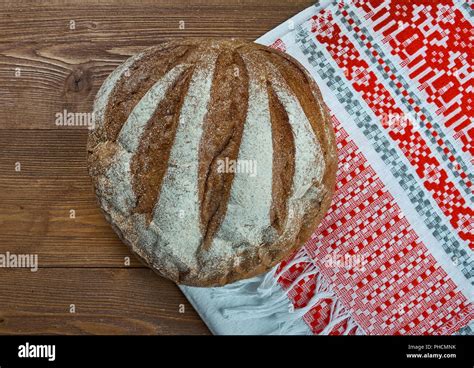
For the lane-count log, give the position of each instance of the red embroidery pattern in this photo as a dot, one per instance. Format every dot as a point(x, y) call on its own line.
point(434, 43)
point(279, 45)
point(409, 140)
point(401, 282)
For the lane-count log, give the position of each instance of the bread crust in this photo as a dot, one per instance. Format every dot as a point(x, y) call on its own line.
point(133, 214)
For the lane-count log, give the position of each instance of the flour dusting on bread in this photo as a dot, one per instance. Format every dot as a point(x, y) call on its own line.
point(162, 133)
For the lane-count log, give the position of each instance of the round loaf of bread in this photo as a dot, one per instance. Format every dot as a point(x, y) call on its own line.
point(212, 159)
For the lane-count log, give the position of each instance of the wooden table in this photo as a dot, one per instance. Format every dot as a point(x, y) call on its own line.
point(54, 56)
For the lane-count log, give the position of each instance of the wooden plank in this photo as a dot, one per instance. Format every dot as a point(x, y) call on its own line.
point(36, 202)
point(107, 301)
point(59, 154)
point(52, 181)
point(71, 251)
point(46, 67)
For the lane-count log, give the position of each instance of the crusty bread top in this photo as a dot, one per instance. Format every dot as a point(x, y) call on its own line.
point(166, 121)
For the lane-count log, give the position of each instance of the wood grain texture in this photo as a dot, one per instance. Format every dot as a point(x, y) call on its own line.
point(46, 67)
point(36, 202)
point(105, 301)
point(62, 68)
